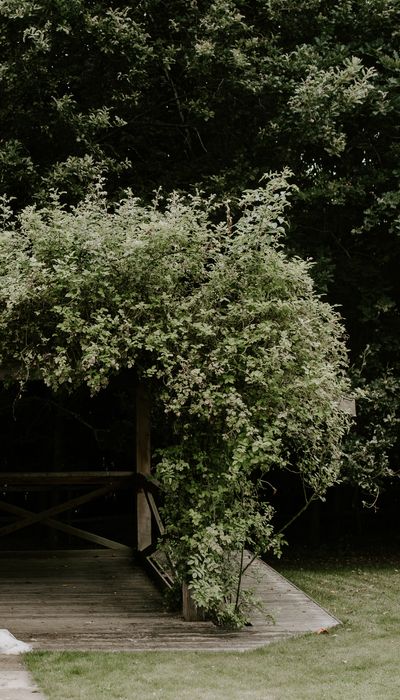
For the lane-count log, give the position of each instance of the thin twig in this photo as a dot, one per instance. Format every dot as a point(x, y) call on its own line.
point(307, 503)
point(239, 579)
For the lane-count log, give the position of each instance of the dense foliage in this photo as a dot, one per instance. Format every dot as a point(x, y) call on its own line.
point(218, 92)
point(246, 361)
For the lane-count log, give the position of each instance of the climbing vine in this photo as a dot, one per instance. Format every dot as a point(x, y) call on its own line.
point(246, 361)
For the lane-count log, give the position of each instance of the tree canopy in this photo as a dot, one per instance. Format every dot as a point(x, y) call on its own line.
point(214, 92)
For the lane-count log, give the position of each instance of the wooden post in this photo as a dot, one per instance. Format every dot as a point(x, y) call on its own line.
point(58, 466)
point(191, 613)
point(143, 465)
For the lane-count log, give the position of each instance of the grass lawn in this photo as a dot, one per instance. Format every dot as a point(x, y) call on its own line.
point(358, 661)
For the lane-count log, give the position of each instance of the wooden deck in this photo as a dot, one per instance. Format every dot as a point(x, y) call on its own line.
point(102, 600)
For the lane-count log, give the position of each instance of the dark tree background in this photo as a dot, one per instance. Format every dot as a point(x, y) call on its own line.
point(211, 95)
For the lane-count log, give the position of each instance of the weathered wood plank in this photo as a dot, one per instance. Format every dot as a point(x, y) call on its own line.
point(102, 600)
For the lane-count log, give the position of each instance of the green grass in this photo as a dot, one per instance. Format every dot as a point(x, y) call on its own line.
point(358, 661)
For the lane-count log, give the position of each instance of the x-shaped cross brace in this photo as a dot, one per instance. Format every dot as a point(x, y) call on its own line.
point(46, 517)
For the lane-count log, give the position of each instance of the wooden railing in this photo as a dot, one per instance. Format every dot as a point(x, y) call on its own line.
point(105, 482)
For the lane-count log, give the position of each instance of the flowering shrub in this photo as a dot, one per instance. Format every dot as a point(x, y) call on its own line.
point(248, 362)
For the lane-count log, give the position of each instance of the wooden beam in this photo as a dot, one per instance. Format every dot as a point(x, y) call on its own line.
point(63, 478)
point(154, 510)
point(55, 510)
point(68, 529)
point(88, 536)
point(159, 570)
point(143, 466)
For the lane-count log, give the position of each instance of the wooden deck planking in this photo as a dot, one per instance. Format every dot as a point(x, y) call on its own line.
point(292, 610)
point(102, 600)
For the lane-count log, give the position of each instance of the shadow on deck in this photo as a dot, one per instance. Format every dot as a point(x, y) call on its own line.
point(102, 600)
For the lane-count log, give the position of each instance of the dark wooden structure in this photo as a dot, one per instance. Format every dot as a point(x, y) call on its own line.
point(96, 484)
point(108, 597)
point(72, 489)
point(50, 596)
